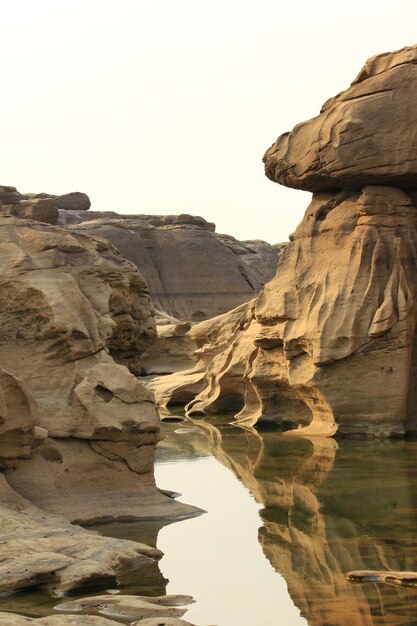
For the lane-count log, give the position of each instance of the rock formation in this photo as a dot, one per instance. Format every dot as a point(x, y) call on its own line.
point(192, 272)
point(77, 427)
point(329, 344)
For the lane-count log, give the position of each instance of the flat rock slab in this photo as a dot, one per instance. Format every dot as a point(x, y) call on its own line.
point(406, 579)
point(129, 607)
point(11, 619)
point(164, 621)
point(39, 549)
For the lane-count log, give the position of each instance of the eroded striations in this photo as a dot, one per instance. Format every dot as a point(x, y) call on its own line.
point(329, 344)
point(77, 428)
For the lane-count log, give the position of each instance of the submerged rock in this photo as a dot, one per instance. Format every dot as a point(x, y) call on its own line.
point(11, 619)
point(405, 579)
point(129, 607)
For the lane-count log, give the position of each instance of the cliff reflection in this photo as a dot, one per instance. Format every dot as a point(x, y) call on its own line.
point(329, 508)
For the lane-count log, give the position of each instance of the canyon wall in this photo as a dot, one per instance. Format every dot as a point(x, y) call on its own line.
point(192, 272)
point(329, 344)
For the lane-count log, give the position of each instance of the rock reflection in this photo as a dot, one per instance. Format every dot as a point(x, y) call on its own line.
point(329, 508)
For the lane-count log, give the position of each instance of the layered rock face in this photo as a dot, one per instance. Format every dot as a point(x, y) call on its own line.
point(77, 428)
point(192, 272)
point(329, 344)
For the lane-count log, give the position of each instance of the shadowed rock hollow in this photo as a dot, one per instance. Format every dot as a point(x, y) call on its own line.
point(329, 344)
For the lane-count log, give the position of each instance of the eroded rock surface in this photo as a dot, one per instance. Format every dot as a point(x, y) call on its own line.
point(129, 607)
point(192, 272)
point(363, 136)
point(77, 428)
point(329, 344)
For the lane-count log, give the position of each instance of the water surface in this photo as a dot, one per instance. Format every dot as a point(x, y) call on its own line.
point(287, 518)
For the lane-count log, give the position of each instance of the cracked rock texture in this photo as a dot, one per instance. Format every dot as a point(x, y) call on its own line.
point(329, 344)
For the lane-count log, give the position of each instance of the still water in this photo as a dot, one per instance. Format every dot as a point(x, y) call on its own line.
point(286, 518)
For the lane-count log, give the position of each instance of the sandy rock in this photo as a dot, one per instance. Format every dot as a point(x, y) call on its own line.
point(39, 549)
point(75, 201)
point(40, 210)
point(192, 272)
point(67, 301)
point(349, 144)
point(129, 607)
point(11, 619)
point(18, 420)
point(329, 344)
point(174, 349)
point(9, 195)
point(96, 482)
point(405, 579)
point(162, 621)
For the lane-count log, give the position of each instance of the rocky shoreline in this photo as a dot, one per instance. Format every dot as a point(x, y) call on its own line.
point(325, 345)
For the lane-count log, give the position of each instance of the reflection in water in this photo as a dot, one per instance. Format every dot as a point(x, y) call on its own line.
point(330, 508)
point(318, 510)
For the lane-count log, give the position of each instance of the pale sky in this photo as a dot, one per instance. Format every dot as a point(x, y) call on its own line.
point(167, 106)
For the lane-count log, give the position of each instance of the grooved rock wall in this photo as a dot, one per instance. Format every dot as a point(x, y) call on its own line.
point(329, 344)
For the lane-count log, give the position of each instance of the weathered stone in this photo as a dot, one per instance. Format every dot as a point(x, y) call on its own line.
point(162, 621)
point(39, 549)
point(75, 201)
point(40, 210)
point(350, 144)
point(330, 343)
point(192, 272)
point(9, 195)
point(18, 419)
point(129, 607)
point(11, 619)
point(68, 300)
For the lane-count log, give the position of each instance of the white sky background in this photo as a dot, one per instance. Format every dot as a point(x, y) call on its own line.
point(167, 106)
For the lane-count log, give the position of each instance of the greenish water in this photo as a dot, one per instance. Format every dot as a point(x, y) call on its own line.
point(287, 518)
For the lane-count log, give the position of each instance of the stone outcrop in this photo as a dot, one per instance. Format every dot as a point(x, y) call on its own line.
point(329, 344)
point(74, 201)
point(41, 207)
point(78, 429)
point(363, 136)
point(192, 272)
point(11, 619)
point(44, 550)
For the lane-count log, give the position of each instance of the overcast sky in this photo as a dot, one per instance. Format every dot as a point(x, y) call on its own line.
point(167, 106)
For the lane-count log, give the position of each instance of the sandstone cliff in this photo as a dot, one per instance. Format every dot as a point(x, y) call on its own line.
point(329, 344)
point(192, 272)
